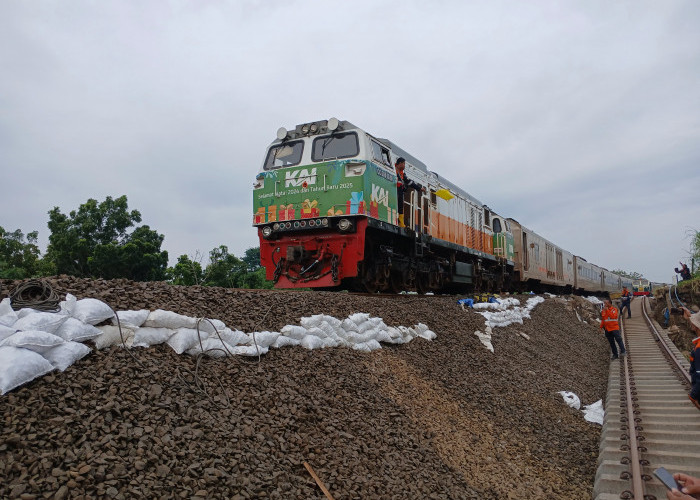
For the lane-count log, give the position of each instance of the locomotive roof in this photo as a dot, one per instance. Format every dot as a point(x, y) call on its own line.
point(422, 167)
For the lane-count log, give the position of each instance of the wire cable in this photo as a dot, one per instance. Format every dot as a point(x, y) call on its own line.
point(36, 294)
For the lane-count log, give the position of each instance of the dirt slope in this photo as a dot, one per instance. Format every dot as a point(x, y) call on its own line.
point(440, 419)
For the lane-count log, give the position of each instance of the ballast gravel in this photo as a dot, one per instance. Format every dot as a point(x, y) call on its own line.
point(431, 419)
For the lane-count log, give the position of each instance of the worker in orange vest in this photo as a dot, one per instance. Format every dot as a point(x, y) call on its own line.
point(695, 373)
point(612, 328)
point(625, 300)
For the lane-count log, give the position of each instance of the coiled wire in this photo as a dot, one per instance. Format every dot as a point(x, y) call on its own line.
point(37, 294)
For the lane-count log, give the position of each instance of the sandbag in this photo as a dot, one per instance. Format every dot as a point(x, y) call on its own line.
point(6, 331)
point(76, 330)
point(233, 337)
point(34, 340)
point(147, 336)
point(92, 311)
point(168, 319)
point(263, 339)
point(294, 331)
point(8, 316)
point(44, 321)
point(64, 355)
point(18, 366)
point(132, 319)
point(185, 338)
point(110, 336)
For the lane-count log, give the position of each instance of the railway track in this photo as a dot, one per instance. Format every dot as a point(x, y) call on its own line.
point(649, 420)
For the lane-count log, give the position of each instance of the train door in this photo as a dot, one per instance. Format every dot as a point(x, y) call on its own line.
point(416, 208)
point(549, 259)
point(526, 252)
point(560, 266)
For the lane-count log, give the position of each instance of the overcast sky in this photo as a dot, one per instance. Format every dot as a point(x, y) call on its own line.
point(579, 119)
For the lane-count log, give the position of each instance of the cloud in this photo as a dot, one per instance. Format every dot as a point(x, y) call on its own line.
point(561, 116)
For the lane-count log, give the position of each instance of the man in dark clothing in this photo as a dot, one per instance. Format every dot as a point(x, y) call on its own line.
point(402, 184)
point(625, 300)
point(683, 271)
point(695, 373)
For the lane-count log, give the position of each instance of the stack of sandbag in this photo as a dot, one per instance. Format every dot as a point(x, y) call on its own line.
point(33, 343)
point(504, 315)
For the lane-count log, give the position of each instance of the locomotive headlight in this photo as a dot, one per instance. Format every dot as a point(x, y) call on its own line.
point(344, 225)
point(324, 221)
point(266, 231)
point(275, 226)
point(305, 129)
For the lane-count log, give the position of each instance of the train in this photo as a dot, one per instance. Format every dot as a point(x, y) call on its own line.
point(641, 287)
point(325, 206)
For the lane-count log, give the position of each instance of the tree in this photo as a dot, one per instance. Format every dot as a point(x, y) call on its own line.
point(186, 272)
point(633, 275)
point(252, 259)
point(224, 268)
point(93, 242)
point(18, 259)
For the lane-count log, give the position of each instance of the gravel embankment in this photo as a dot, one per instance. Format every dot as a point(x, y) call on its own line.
point(440, 419)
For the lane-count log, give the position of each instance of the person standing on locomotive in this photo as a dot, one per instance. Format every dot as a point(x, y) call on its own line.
point(402, 184)
point(612, 328)
point(625, 300)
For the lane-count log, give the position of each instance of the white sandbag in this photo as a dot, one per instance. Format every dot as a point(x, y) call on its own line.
point(358, 318)
point(185, 338)
point(311, 342)
point(233, 337)
point(25, 311)
point(64, 355)
point(213, 347)
point(383, 335)
point(205, 325)
point(364, 326)
point(571, 399)
point(334, 322)
point(110, 336)
point(168, 319)
point(310, 321)
point(6, 331)
point(131, 319)
point(294, 331)
point(34, 340)
point(283, 341)
point(44, 321)
point(264, 339)
point(76, 330)
point(317, 332)
point(68, 306)
point(92, 311)
point(424, 332)
point(330, 342)
point(18, 366)
point(249, 350)
point(368, 346)
point(348, 325)
point(147, 336)
point(8, 316)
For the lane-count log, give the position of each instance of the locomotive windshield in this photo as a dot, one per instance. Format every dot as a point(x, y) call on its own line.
point(335, 146)
point(284, 155)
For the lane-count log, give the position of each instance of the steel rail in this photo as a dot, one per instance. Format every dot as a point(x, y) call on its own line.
point(666, 349)
point(638, 488)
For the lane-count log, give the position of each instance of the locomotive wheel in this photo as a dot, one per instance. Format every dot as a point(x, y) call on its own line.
point(422, 283)
point(396, 282)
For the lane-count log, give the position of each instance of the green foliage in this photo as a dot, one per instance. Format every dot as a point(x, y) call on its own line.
point(186, 272)
point(633, 275)
point(20, 259)
point(93, 242)
point(224, 270)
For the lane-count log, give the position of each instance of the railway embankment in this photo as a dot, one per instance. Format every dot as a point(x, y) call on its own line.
point(445, 418)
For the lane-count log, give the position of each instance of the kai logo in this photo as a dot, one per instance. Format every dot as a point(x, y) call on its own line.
point(380, 195)
point(299, 178)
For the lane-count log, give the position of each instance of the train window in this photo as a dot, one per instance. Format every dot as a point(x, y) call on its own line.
point(380, 154)
point(497, 225)
point(335, 146)
point(284, 155)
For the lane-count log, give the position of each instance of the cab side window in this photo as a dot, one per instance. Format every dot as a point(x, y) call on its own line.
point(380, 154)
point(497, 226)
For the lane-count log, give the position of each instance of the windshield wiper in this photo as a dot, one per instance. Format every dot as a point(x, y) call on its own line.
point(325, 143)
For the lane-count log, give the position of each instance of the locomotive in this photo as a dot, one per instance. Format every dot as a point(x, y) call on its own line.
point(325, 207)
